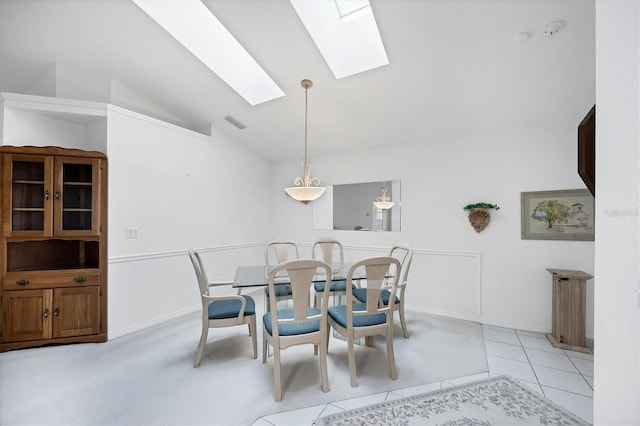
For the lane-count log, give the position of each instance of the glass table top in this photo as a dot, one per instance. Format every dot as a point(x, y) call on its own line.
point(257, 275)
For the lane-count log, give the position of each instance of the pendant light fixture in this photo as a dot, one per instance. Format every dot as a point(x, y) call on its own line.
point(304, 189)
point(383, 202)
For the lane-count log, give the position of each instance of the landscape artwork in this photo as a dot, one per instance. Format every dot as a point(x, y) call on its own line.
point(558, 215)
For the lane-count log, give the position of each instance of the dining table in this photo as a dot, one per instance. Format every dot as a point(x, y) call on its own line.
point(258, 275)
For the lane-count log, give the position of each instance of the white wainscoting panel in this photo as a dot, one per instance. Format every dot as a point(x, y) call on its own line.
point(441, 282)
point(446, 283)
point(146, 289)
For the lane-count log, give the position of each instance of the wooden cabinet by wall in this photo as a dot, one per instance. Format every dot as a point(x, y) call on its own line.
point(33, 315)
point(53, 248)
point(569, 310)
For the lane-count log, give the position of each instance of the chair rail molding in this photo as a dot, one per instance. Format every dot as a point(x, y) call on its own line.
point(178, 253)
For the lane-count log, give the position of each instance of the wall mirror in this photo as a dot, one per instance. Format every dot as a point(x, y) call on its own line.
point(350, 207)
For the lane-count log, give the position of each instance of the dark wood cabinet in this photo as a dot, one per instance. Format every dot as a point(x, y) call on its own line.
point(54, 246)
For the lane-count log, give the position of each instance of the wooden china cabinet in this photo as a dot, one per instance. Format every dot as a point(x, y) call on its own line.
point(53, 248)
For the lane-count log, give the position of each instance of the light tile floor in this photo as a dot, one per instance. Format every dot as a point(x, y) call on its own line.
point(565, 377)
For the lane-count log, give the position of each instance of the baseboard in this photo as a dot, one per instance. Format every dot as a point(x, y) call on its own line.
point(153, 322)
point(443, 313)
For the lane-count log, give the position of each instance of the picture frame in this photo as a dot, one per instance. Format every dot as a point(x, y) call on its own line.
point(558, 215)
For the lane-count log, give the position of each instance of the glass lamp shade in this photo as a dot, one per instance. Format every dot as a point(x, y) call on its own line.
point(383, 202)
point(383, 205)
point(305, 194)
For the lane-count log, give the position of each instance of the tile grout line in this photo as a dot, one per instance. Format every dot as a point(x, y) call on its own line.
point(580, 372)
point(553, 368)
point(566, 391)
point(514, 332)
point(533, 370)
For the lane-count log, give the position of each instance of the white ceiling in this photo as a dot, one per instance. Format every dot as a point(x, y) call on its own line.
point(454, 68)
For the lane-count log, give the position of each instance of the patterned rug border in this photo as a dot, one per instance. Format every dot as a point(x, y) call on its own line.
point(571, 419)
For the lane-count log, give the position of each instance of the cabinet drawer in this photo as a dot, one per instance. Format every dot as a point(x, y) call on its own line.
point(27, 280)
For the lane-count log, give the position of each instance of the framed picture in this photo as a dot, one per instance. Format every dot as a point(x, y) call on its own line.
point(557, 215)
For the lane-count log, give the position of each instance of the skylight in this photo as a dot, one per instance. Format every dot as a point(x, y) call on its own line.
point(345, 32)
point(197, 29)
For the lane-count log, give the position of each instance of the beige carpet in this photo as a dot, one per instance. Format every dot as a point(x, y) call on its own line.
point(148, 378)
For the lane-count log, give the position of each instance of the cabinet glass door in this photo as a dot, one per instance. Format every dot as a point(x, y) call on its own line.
point(28, 179)
point(77, 196)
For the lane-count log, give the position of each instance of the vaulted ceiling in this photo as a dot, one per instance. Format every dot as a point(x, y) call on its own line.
point(454, 69)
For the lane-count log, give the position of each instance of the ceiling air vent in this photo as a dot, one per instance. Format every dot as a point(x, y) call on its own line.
point(235, 122)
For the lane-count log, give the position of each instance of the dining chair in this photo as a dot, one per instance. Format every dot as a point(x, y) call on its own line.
point(301, 324)
point(371, 318)
point(404, 254)
point(221, 311)
point(330, 251)
point(276, 252)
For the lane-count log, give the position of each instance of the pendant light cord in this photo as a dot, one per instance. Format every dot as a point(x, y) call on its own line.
point(305, 121)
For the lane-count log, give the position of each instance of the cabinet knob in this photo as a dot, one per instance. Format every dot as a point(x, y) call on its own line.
point(80, 279)
point(46, 313)
point(57, 195)
point(22, 282)
point(56, 312)
point(46, 194)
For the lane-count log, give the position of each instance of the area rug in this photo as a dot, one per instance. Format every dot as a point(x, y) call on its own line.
point(496, 401)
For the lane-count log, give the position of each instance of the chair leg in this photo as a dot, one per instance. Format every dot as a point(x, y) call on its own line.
point(264, 346)
point(393, 373)
point(254, 336)
point(403, 322)
point(352, 361)
point(277, 386)
point(323, 363)
point(327, 337)
point(201, 345)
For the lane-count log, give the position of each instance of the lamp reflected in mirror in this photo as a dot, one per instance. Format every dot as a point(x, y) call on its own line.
point(383, 202)
point(352, 207)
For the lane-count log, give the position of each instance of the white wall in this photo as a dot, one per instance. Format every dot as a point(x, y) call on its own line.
point(44, 121)
point(26, 128)
point(617, 329)
point(494, 276)
point(181, 190)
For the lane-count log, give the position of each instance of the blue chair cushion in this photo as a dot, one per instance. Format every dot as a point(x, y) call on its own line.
point(292, 329)
point(361, 295)
point(280, 290)
point(339, 315)
point(222, 309)
point(335, 286)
